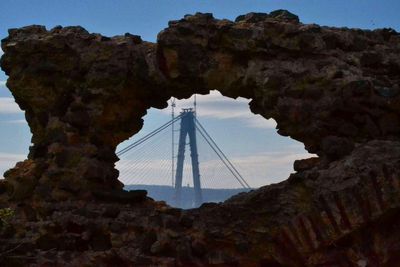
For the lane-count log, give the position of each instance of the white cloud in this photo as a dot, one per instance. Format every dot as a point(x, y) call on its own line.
point(260, 169)
point(1, 52)
point(217, 106)
point(8, 160)
point(11, 157)
point(3, 83)
point(8, 106)
point(15, 121)
point(257, 121)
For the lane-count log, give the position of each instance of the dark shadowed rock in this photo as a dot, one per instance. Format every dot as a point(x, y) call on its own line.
point(335, 90)
point(337, 147)
point(132, 196)
point(305, 164)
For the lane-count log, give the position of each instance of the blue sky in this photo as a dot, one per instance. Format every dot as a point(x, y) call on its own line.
point(252, 143)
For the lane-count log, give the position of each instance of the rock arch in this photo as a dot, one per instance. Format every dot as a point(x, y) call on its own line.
point(85, 93)
point(335, 90)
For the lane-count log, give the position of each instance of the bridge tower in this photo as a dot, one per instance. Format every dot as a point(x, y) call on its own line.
point(188, 128)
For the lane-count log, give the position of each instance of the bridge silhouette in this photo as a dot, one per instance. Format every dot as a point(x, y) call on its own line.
point(154, 158)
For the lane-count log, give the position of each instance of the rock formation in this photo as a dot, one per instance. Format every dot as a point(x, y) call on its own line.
point(335, 90)
point(82, 95)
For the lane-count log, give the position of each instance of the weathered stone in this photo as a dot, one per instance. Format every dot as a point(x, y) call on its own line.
point(111, 212)
point(30, 213)
point(252, 17)
point(3, 186)
point(67, 116)
point(186, 220)
point(335, 90)
point(147, 240)
point(132, 196)
point(337, 147)
point(47, 242)
point(372, 60)
point(88, 71)
point(284, 15)
point(305, 164)
point(100, 241)
point(199, 248)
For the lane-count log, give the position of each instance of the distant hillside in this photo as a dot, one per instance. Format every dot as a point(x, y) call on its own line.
point(166, 193)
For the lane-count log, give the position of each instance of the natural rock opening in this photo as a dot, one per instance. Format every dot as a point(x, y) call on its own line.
point(251, 143)
point(84, 93)
point(335, 90)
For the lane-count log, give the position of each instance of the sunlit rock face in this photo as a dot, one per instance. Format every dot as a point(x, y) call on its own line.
point(82, 94)
point(328, 88)
point(335, 90)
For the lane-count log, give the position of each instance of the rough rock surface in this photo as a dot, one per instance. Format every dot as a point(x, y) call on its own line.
point(335, 90)
point(83, 94)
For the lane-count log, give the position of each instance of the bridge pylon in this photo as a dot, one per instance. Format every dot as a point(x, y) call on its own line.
point(188, 128)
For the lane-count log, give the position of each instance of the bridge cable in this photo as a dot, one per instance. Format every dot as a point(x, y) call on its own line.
point(238, 178)
point(222, 153)
point(221, 158)
point(137, 170)
point(148, 136)
point(142, 153)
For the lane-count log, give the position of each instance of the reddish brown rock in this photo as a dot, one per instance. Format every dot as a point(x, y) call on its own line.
point(335, 90)
point(82, 95)
point(314, 81)
point(305, 164)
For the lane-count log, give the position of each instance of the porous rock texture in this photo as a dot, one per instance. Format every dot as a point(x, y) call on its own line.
point(334, 89)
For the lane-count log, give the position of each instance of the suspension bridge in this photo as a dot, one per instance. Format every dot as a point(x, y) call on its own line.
point(157, 156)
